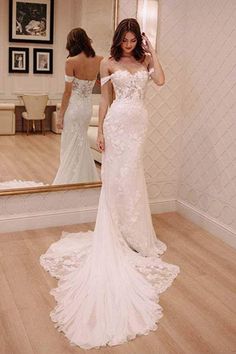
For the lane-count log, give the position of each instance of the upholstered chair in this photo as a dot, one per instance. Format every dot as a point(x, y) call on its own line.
point(35, 110)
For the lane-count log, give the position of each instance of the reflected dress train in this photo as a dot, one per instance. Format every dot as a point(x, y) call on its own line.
point(76, 161)
point(110, 278)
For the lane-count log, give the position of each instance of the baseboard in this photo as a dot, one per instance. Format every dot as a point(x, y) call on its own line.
point(78, 216)
point(47, 219)
point(210, 224)
point(41, 220)
point(162, 206)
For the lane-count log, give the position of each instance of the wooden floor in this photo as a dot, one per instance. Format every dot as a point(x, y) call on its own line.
point(29, 158)
point(34, 157)
point(199, 308)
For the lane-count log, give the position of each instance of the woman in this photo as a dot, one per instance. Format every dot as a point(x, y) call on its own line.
point(110, 279)
point(82, 66)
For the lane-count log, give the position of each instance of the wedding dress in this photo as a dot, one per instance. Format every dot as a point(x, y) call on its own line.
point(110, 278)
point(76, 161)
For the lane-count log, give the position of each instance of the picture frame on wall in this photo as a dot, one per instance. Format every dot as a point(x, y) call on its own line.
point(43, 61)
point(18, 60)
point(31, 21)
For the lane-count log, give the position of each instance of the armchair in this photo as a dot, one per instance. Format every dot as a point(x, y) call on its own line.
point(35, 110)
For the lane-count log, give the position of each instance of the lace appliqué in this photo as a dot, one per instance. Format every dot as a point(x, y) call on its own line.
point(83, 88)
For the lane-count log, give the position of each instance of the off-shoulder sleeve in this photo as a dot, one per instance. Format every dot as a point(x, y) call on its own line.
point(69, 78)
point(105, 79)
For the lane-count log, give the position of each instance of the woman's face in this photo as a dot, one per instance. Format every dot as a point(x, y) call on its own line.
point(129, 43)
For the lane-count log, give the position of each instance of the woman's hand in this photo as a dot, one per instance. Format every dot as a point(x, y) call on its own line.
point(147, 45)
point(100, 142)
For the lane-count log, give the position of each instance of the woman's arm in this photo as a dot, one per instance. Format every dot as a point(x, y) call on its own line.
point(105, 101)
point(69, 71)
point(157, 75)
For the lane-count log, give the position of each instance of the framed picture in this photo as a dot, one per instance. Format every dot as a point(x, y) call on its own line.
point(31, 21)
point(18, 60)
point(43, 61)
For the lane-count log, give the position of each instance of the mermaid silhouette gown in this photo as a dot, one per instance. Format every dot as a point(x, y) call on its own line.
point(76, 161)
point(110, 278)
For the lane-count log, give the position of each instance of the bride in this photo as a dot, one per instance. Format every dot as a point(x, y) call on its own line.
point(110, 279)
point(82, 67)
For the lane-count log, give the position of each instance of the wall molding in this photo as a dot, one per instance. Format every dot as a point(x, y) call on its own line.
point(206, 222)
point(162, 206)
point(41, 219)
point(46, 219)
point(38, 220)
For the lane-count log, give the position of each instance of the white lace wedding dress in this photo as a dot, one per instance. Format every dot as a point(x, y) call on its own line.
point(76, 161)
point(110, 278)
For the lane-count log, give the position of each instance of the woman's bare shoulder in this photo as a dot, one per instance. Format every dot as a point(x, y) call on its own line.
point(106, 66)
point(106, 62)
point(69, 59)
point(72, 60)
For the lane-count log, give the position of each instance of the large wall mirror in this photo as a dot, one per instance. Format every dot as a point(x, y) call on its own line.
point(29, 162)
point(35, 157)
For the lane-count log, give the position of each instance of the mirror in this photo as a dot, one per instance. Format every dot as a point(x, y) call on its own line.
point(31, 161)
point(35, 157)
point(147, 15)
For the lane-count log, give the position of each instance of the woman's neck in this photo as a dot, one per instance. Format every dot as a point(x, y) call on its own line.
point(127, 55)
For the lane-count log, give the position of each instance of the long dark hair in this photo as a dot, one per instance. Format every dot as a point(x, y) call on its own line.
point(127, 25)
point(78, 41)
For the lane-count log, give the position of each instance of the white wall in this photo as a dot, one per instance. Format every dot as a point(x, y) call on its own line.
point(207, 183)
point(12, 84)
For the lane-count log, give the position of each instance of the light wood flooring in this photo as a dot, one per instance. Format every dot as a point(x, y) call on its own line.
point(199, 308)
point(34, 157)
point(29, 158)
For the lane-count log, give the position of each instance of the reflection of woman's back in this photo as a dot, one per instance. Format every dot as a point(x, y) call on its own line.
point(76, 162)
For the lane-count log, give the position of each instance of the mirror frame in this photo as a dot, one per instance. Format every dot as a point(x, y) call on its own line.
point(46, 189)
point(60, 187)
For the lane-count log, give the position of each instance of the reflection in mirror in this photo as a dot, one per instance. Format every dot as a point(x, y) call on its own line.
point(147, 14)
point(81, 70)
point(41, 158)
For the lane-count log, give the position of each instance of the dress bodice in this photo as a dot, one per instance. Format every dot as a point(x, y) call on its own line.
point(128, 85)
point(82, 88)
